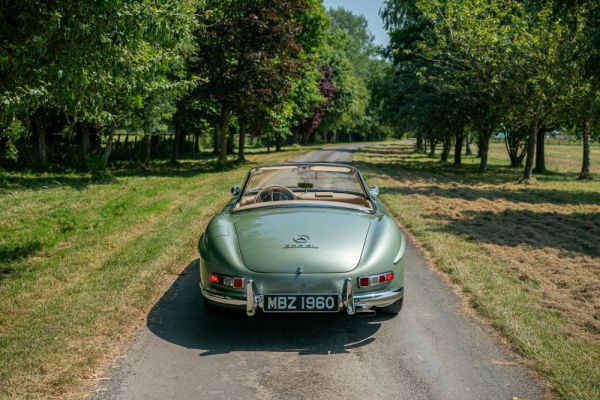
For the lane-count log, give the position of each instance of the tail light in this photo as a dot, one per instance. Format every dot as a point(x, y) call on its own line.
point(375, 280)
point(229, 281)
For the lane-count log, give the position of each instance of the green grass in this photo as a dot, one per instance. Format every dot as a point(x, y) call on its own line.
point(527, 257)
point(81, 263)
point(559, 158)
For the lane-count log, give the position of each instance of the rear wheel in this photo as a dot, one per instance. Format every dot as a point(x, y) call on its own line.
point(393, 308)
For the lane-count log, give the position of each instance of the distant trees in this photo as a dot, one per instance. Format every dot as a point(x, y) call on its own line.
point(519, 67)
point(96, 64)
point(82, 73)
point(349, 59)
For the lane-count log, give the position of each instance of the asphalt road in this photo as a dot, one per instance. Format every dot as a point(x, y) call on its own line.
point(432, 350)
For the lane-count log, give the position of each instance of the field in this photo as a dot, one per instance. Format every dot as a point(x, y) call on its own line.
point(527, 257)
point(81, 263)
point(565, 158)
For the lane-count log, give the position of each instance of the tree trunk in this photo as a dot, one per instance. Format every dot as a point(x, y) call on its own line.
point(41, 142)
point(432, 145)
point(148, 150)
point(528, 172)
point(230, 139)
point(468, 149)
point(196, 146)
point(458, 145)
point(447, 145)
point(419, 141)
point(85, 144)
point(540, 159)
point(216, 140)
point(176, 140)
point(257, 129)
point(108, 149)
point(242, 141)
point(484, 146)
point(587, 149)
point(223, 128)
point(513, 141)
point(278, 140)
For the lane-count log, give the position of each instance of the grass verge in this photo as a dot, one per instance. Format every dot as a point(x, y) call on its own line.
point(528, 258)
point(80, 263)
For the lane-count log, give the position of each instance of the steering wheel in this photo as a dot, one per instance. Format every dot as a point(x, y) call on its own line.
point(274, 193)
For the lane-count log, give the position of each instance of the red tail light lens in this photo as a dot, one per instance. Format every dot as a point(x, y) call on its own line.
point(375, 280)
point(214, 278)
point(238, 283)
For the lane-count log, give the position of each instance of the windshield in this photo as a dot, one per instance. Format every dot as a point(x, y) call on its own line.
point(310, 178)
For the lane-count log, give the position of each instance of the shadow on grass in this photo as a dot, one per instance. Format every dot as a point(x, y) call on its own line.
point(36, 182)
point(182, 169)
point(31, 180)
point(574, 234)
point(179, 317)
point(525, 195)
point(9, 254)
point(406, 165)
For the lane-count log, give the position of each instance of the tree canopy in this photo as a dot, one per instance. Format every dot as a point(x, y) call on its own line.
point(465, 65)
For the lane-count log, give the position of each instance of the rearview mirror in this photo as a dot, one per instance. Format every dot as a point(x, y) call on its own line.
point(374, 191)
point(235, 191)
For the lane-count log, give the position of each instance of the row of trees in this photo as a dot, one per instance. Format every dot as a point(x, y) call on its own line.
point(467, 67)
point(281, 71)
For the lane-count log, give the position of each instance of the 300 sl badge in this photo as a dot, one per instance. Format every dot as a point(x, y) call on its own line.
point(300, 246)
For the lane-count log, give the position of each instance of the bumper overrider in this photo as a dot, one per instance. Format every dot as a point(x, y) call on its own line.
point(349, 302)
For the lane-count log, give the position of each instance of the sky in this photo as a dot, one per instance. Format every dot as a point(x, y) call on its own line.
point(368, 8)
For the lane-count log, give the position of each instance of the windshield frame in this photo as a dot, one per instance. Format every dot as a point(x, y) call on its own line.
point(366, 194)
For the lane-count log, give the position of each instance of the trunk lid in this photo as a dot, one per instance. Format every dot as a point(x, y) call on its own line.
point(317, 240)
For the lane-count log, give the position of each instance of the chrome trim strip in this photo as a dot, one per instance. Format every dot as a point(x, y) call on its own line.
point(378, 299)
point(223, 299)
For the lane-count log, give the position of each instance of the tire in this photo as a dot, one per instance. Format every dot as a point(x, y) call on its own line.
point(394, 308)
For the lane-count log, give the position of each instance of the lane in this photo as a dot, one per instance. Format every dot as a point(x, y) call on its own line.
point(430, 351)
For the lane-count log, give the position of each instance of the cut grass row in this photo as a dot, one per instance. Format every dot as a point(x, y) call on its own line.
point(528, 258)
point(80, 263)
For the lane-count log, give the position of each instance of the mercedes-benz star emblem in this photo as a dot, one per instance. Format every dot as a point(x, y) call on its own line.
point(301, 238)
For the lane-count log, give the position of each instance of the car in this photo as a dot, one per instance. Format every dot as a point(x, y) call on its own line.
point(300, 238)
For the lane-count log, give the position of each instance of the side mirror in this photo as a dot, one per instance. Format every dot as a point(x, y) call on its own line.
point(374, 191)
point(235, 191)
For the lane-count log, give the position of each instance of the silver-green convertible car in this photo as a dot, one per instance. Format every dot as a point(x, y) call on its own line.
point(303, 237)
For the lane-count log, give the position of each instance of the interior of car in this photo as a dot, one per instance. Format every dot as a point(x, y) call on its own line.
point(318, 197)
point(321, 184)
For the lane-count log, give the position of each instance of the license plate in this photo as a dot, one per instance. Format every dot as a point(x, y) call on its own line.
point(301, 303)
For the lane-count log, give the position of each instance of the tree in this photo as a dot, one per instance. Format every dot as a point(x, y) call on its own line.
point(92, 61)
point(251, 52)
point(495, 59)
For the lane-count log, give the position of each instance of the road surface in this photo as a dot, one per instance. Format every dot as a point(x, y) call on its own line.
point(432, 350)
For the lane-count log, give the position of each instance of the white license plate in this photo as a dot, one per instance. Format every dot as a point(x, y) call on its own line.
point(301, 303)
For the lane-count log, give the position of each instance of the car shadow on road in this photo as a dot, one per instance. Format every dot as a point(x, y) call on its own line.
point(179, 317)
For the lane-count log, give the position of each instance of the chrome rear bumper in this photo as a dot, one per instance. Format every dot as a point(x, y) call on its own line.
point(349, 302)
